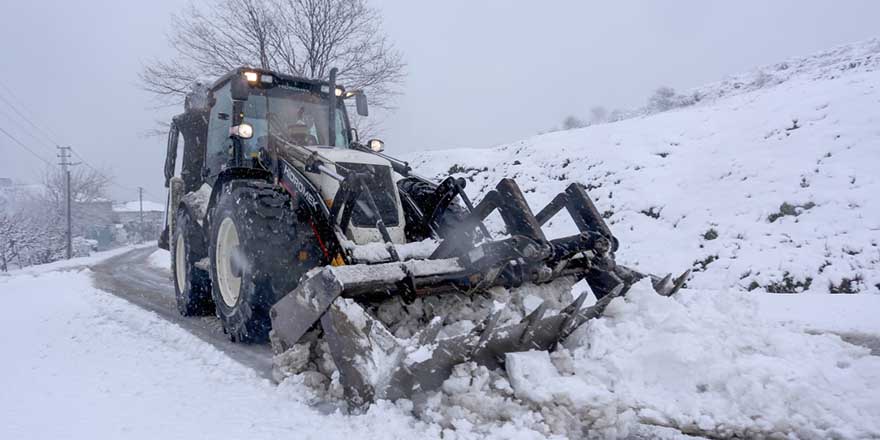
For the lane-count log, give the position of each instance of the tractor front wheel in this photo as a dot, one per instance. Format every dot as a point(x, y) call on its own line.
point(252, 252)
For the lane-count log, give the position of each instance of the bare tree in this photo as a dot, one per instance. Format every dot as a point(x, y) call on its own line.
point(88, 190)
point(300, 37)
point(86, 185)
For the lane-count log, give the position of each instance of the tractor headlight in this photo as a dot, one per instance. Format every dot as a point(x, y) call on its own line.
point(376, 145)
point(339, 91)
point(244, 131)
point(251, 77)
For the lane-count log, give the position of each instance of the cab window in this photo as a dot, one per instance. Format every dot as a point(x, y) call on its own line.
point(220, 121)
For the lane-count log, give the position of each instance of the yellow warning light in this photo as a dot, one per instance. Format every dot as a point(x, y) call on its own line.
point(338, 261)
point(251, 77)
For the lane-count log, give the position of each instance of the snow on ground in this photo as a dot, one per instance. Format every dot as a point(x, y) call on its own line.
point(160, 259)
point(706, 363)
point(817, 313)
point(135, 206)
point(772, 189)
point(708, 360)
point(86, 364)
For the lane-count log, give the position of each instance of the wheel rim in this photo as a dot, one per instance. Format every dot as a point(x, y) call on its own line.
point(227, 245)
point(180, 263)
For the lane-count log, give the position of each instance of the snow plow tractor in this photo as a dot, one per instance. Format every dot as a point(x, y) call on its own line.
point(288, 227)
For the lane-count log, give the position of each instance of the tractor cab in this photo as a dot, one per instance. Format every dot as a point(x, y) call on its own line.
point(242, 123)
point(250, 111)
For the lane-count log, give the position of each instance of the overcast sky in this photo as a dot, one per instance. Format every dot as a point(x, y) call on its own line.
point(479, 73)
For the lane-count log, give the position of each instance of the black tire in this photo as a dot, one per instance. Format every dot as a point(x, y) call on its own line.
point(422, 195)
point(267, 228)
point(193, 292)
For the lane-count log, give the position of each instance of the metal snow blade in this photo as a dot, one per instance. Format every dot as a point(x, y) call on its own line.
point(373, 364)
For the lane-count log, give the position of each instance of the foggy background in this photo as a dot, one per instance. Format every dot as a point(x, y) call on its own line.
point(478, 74)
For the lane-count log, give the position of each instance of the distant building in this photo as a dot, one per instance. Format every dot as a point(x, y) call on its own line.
point(94, 220)
point(128, 215)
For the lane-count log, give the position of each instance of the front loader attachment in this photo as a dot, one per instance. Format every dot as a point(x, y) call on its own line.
point(374, 363)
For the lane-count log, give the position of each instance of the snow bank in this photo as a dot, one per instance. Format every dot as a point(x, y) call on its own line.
point(78, 262)
point(160, 259)
point(135, 206)
point(814, 313)
point(703, 363)
point(772, 189)
point(709, 361)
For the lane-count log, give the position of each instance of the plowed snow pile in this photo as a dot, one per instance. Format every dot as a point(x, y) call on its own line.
point(768, 184)
point(701, 362)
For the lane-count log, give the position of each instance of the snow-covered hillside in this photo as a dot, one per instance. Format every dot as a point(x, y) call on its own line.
point(769, 183)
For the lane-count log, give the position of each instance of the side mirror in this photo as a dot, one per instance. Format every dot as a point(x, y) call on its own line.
point(376, 145)
point(360, 101)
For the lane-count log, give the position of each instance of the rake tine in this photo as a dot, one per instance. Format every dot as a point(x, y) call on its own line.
point(591, 312)
point(485, 329)
point(430, 332)
point(572, 310)
point(615, 292)
point(663, 285)
point(679, 282)
point(531, 322)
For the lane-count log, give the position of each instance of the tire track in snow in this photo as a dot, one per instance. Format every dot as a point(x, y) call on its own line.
point(131, 277)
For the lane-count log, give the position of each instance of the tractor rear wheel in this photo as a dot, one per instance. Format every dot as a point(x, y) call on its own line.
point(253, 255)
point(192, 286)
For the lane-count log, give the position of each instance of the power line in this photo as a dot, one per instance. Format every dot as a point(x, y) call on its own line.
point(22, 116)
point(101, 173)
point(39, 140)
point(22, 145)
point(45, 132)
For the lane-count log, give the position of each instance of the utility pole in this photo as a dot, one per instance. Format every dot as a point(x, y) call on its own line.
point(64, 154)
point(141, 200)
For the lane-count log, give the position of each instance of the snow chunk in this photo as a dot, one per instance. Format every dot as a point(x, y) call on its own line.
point(198, 201)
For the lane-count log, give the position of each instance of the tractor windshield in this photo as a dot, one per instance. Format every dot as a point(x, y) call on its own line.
point(289, 115)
